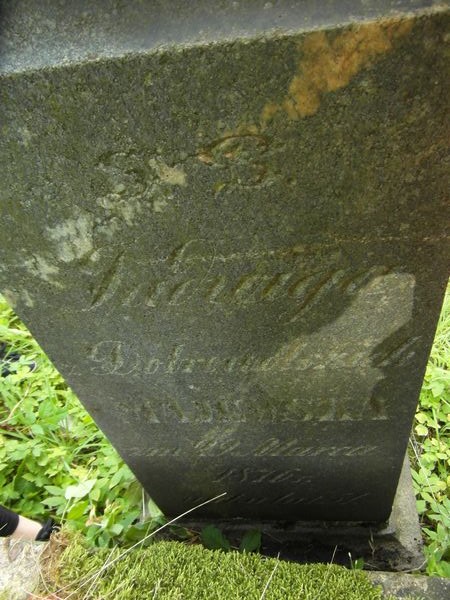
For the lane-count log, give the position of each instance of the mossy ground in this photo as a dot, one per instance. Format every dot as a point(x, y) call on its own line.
point(177, 571)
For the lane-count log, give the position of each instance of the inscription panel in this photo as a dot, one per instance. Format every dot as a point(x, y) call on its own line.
point(195, 273)
point(235, 253)
point(272, 447)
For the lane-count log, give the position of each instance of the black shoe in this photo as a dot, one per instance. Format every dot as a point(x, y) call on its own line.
point(47, 529)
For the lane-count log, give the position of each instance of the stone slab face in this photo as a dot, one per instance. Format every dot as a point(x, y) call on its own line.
point(235, 251)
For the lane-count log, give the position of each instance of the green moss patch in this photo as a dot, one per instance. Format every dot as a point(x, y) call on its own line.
point(176, 571)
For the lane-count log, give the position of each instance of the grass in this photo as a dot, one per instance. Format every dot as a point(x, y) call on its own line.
point(53, 459)
point(174, 571)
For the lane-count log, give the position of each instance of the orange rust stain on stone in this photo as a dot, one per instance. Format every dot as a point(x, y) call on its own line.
point(329, 62)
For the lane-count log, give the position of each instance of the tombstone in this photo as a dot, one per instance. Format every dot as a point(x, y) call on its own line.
point(224, 222)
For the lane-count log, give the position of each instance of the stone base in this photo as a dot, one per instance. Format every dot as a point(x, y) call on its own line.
point(413, 587)
point(392, 546)
point(19, 568)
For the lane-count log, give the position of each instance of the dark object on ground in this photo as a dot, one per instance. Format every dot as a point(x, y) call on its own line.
point(47, 529)
point(8, 356)
point(9, 522)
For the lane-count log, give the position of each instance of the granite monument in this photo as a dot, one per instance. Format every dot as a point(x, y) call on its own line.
point(225, 223)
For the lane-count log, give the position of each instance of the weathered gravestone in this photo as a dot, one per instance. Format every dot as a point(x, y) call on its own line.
point(225, 223)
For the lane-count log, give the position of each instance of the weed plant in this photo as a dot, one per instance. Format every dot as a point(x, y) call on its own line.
point(53, 458)
point(430, 450)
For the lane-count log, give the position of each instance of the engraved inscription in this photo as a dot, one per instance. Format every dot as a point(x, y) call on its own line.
point(194, 273)
point(233, 409)
point(379, 309)
point(289, 498)
point(238, 159)
point(278, 447)
point(269, 476)
point(108, 284)
point(149, 452)
point(273, 447)
point(113, 357)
